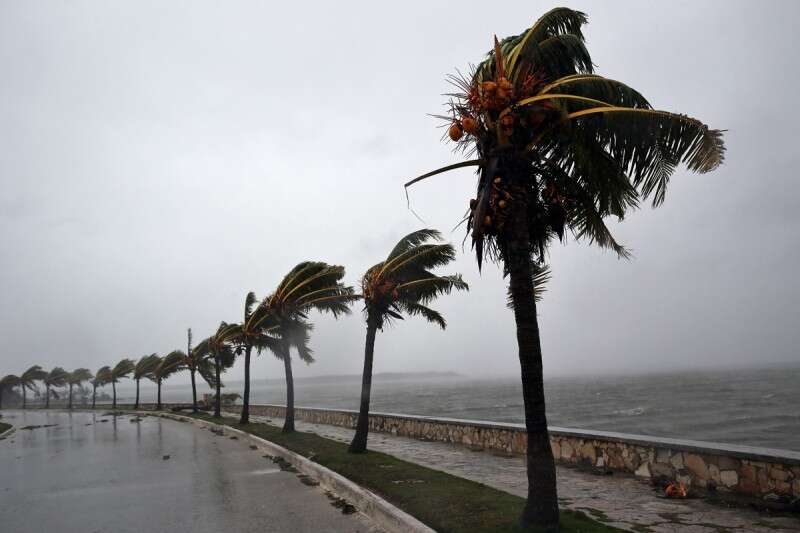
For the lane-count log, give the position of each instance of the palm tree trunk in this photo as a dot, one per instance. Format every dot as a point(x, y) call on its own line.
point(70, 396)
point(136, 405)
point(47, 399)
point(245, 418)
point(1, 397)
point(114, 390)
point(94, 395)
point(24, 398)
point(158, 405)
point(194, 392)
point(541, 508)
point(359, 444)
point(218, 401)
point(288, 421)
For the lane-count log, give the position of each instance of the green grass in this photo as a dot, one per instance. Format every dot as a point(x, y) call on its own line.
point(4, 427)
point(447, 503)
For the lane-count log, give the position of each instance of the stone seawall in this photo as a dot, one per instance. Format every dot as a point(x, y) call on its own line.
point(724, 468)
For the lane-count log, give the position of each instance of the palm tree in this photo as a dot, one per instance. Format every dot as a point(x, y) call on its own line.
point(402, 283)
point(76, 378)
point(197, 361)
point(219, 349)
point(27, 381)
point(102, 378)
point(170, 364)
point(122, 370)
point(55, 378)
point(256, 331)
point(558, 147)
point(8, 383)
point(144, 369)
point(309, 286)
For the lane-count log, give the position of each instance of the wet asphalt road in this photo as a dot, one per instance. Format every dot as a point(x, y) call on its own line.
point(103, 474)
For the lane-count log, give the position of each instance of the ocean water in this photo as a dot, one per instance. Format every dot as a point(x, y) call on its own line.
point(756, 407)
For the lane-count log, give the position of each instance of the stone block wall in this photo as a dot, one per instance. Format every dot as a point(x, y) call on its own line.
point(755, 472)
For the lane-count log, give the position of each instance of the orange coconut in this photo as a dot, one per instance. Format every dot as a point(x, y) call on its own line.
point(455, 131)
point(469, 124)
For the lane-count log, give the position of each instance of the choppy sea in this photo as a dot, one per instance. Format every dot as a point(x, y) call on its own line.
point(756, 407)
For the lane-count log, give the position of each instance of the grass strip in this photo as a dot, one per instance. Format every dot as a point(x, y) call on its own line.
point(447, 503)
point(4, 427)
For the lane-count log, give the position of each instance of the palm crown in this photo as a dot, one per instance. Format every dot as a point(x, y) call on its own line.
point(403, 282)
point(56, 377)
point(168, 365)
point(121, 370)
point(28, 379)
point(145, 366)
point(102, 377)
point(568, 146)
point(78, 376)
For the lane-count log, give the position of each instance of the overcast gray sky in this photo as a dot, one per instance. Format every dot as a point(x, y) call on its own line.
point(160, 159)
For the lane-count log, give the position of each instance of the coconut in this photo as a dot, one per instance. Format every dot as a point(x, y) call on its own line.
point(469, 124)
point(502, 204)
point(487, 220)
point(489, 87)
point(505, 85)
point(455, 131)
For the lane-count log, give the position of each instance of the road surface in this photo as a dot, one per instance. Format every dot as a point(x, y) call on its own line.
point(91, 472)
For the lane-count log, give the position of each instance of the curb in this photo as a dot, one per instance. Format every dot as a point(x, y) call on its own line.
point(383, 513)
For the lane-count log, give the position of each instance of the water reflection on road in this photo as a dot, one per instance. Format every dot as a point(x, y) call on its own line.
point(90, 471)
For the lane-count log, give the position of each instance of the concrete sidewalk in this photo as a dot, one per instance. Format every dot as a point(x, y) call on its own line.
point(110, 474)
point(618, 500)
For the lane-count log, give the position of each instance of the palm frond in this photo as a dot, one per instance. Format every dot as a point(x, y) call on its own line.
point(79, 375)
point(613, 92)
point(414, 238)
point(415, 309)
point(122, 369)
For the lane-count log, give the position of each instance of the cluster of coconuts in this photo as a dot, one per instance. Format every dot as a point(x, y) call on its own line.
point(487, 96)
point(497, 211)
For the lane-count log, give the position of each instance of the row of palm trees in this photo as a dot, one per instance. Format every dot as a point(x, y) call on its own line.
point(558, 148)
point(402, 284)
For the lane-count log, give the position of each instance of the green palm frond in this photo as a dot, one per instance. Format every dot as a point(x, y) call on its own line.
point(415, 238)
point(170, 364)
point(122, 370)
point(10, 380)
point(415, 309)
point(57, 377)
point(103, 376)
point(612, 92)
point(404, 282)
point(146, 366)
point(79, 375)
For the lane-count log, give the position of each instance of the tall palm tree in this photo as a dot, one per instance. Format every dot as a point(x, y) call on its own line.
point(55, 378)
point(256, 330)
point(102, 378)
point(557, 148)
point(27, 381)
point(309, 286)
point(8, 383)
point(168, 365)
point(121, 370)
point(401, 283)
point(218, 348)
point(76, 378)
point(144, 369)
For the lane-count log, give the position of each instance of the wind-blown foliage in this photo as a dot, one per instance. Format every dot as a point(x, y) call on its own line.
point(402, 283)
point(311, 285)
point(75, 379)
point(257, 330)
point(8, 383)
point(197, 362)
point(101, 379)
point(167, 366)
point(558, 148)
point(27, 381)
point(144, 369)
point(218, 349)
point(56, 378)
point(121, 370)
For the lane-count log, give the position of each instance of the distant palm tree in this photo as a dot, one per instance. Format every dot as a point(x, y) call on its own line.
point(558, 149)
point(308, 286)
point(144, 369)
point(27, 381)
point(402, 283)
point(122, 370)
point(201, 362)
point(171, 363)
point(102, 378)
point(8, 383)
point(256, 331)
point(75, 379)
point(55, 378)
point(218, 348)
